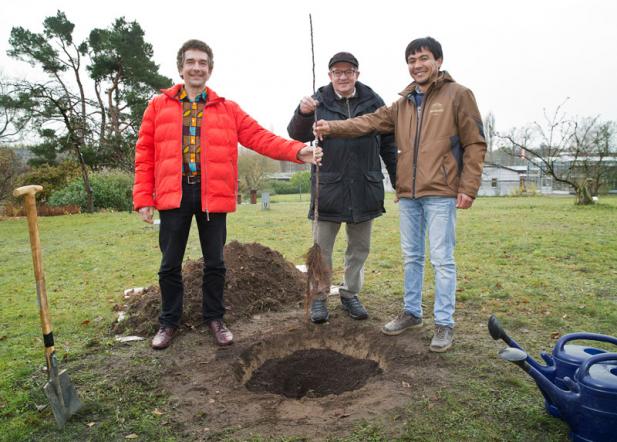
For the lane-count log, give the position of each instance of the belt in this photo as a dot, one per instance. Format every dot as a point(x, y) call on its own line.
point(191, 179)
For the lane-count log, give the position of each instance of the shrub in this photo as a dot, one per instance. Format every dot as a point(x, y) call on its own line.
point(283, 187)
point(112, 190)
point(52, 178)
point(10, 167)
point(300, 182)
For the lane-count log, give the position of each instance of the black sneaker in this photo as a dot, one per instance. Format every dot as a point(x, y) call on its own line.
point(354, 308)
point(319, 311)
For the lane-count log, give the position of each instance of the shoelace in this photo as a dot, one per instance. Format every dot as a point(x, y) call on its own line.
point(355, 303)
point(219, 326)
point(440, 333)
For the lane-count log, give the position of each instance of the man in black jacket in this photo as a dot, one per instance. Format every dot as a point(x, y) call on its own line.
point(350, 179)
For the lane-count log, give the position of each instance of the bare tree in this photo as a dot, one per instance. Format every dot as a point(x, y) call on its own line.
point(573, 151)
point(253, 170)
point(489, 131)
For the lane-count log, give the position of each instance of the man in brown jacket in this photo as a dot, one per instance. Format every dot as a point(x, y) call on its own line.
point(439, 134)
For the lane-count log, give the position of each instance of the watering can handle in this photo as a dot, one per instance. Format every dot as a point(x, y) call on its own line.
point(583, 335)
point(583, 370)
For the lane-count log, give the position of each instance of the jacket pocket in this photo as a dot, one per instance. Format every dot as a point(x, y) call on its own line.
point(331, 192)
point(449, 169)
point(373, 192)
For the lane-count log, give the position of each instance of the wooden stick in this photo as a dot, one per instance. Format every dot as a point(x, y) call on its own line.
point(29, 193)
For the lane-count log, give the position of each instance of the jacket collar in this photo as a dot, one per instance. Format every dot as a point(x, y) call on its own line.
point(328, 95)
point(442, 78)
point(173, 91)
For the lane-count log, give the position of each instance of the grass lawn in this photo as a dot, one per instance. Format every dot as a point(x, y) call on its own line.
point(543, 265)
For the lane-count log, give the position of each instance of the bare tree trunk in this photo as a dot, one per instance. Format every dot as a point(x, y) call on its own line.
point(583, 194)
point(86, 178)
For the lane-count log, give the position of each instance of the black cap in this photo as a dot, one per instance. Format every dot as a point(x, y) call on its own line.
point(343, 57)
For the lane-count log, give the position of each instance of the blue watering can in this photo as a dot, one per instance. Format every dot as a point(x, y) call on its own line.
point(563, 362)
point(587, 402)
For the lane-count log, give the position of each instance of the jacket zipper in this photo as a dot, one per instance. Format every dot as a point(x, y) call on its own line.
point(204, 169)
point(350, 192)
point(419, 115)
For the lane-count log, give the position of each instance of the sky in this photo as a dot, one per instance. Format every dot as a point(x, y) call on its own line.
point(520, 58)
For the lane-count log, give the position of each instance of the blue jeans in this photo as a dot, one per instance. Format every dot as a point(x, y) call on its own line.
point(437, 215)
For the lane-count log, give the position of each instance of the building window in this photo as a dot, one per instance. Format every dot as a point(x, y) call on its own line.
point(493, 182)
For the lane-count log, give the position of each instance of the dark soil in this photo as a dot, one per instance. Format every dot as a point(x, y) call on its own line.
point(258, 280)
point(284, 377)
point(314, 373)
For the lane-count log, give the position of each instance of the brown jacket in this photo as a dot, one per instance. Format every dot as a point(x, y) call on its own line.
point(445, 156)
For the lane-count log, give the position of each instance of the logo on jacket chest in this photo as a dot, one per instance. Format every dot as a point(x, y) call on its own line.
point(436, 108)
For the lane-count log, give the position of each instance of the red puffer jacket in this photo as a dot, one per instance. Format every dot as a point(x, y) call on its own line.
point(158, 153)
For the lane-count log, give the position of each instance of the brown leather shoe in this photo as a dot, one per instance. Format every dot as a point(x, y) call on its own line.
point(222, 335)
point(163, 337)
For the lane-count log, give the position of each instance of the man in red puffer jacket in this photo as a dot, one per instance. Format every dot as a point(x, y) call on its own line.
point(186, 164)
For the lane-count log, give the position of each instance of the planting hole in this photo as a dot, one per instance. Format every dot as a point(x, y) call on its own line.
point(312, 373)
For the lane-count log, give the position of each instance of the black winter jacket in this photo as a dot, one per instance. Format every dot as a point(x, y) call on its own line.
point(350, 177)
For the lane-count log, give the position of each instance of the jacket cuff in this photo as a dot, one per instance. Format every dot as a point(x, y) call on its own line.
point(302, 114)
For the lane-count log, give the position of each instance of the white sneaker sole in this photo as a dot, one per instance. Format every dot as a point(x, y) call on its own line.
point(398, 332)
point(440, 349)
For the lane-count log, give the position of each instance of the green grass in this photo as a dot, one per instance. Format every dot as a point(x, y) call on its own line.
point(543, 265)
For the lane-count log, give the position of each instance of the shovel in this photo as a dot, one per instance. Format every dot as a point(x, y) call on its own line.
point(59, 388)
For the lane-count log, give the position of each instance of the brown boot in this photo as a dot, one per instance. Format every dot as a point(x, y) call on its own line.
point(163, 337)
point(222, 335)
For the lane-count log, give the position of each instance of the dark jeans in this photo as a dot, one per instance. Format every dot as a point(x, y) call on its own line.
point(173, 236)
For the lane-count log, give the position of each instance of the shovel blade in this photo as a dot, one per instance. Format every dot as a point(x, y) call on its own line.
point(62, 397)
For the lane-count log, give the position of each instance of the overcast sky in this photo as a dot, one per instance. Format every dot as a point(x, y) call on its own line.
point(518, 57)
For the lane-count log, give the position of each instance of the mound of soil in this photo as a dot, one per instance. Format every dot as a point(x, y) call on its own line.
point(258, 279)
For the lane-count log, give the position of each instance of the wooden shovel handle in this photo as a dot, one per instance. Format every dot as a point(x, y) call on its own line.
point(29, 193)
point(32, 189)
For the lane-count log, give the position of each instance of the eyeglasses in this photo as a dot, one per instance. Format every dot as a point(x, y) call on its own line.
point(347, 73)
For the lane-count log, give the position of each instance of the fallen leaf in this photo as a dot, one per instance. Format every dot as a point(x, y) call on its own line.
point(86, 322)
point(157, 412)
point(564, 316)
point(91, 424)
point(211, 401)
point(41, 407)
point(131, 436)
point(555, 335)
point(406, 384)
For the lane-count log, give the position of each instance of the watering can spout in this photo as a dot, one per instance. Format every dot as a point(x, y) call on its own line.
point(497, 331)
point(564, 399)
